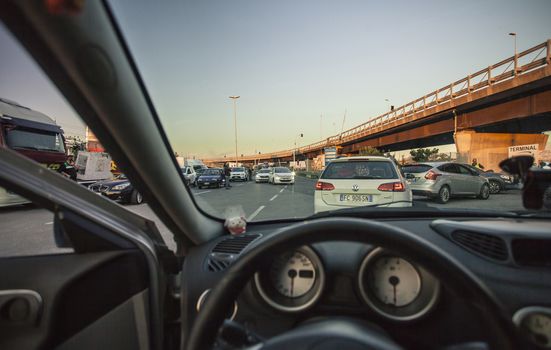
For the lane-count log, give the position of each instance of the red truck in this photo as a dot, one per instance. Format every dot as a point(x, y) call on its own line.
point(34, 135)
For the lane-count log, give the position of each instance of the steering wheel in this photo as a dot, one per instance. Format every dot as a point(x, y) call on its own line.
point(338, 333)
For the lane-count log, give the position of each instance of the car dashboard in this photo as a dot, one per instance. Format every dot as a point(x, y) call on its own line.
point(375, 284)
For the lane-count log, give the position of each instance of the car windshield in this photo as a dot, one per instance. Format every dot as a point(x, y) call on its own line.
point(298, 87)
point(416, 168)
point(282, 170)
point(211, 172)
point(360, 170)
point(34, 139)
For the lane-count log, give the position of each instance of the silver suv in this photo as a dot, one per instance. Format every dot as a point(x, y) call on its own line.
point(443, 180)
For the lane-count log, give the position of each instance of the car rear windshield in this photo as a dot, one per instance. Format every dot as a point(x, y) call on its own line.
point(360, 170)
point(237, 170)
point(264, 171)
point(211, 172)
point(417, 168)
point(282, 170)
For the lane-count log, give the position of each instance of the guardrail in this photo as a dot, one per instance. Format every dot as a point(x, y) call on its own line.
point(510, 68)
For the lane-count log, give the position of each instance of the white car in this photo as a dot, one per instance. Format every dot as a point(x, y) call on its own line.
point(361, 181)
point(240, 174)
point(262, 175)
point(281, 175)
point(190, 175)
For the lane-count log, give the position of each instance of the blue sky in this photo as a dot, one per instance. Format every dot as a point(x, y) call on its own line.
point(291, 61)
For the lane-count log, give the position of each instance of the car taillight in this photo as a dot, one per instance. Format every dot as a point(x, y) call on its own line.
point(431, 175)
point(324, 186)
point(392, 187)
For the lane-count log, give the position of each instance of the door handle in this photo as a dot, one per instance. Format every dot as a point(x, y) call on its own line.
point(21, 307)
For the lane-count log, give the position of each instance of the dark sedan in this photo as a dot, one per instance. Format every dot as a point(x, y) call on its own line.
point(119, 188)
point(212, 177)
point(498, 181)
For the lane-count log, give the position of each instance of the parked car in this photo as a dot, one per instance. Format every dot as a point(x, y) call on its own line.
point(239, 173)
point(361, 181)
point(498, 181)
point(119, 188)
point(444, 180)
point(262, 175)
point(199, 170)
point(281, 175)
point(189, 175)
point(212, 177)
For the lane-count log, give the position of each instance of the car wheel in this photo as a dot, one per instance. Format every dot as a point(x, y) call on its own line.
point(495, 187)
point(136, 197)
point(444, 195)
point(484, 192)
point(199, 187)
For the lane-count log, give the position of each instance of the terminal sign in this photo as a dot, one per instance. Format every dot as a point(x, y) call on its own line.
point(523, 150)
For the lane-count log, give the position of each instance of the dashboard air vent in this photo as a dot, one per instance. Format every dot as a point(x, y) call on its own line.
point(489, 246)
point(227, 250)
point(532, 252)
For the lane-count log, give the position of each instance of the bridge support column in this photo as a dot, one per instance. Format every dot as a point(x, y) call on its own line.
point(491, 148)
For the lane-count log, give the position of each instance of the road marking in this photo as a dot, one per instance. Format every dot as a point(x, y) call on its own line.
point(274, 197)
point(198, 193)
point(255, 213)
point(48, 223)
point(283, 189)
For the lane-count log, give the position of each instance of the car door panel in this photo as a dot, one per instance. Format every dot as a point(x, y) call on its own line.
point(118, 255)
point(453, 178)
point(471, 181)
point(75, 290)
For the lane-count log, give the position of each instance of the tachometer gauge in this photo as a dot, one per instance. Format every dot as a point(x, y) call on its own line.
point(395, 287)
point(394, 281)
point(293, 274)
point(535, 323)
point(292, 281)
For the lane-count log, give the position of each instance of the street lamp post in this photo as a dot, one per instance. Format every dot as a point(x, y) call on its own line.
point(514, 35)
point(295, 149)
point(234, 98)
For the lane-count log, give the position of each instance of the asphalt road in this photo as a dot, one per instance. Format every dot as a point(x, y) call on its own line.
point(28, 230)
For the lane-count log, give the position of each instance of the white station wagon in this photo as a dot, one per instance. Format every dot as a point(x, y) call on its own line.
point(361, 181)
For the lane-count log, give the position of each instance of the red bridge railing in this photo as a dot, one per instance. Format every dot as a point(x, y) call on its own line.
point(526, 61)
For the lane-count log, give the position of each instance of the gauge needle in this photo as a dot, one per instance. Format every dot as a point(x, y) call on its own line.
point(393, 280)
point(292, 274)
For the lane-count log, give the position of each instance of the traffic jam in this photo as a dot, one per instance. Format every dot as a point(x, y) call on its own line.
point(343, 182)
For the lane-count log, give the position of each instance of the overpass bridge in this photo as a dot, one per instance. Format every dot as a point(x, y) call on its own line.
point(511, 97)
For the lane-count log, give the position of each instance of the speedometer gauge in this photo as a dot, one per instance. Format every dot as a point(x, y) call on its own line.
point(293, 274)
point(292, 281)
point(395, 287)
point(394, 281)
point(535, 323)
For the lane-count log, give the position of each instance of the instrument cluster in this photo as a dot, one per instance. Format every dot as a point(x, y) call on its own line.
point(389, 284)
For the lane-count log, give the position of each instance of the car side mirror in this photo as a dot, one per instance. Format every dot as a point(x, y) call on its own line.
point(536, 192)
point(517, 165)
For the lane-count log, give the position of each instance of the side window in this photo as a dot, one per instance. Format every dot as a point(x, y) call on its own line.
point(449, 168)
point(463, 170)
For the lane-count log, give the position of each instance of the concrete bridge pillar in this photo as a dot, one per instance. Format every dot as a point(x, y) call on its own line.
point(491, 148)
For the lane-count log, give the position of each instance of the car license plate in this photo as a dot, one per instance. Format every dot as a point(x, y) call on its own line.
point(356, 198)
point(206, 183)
